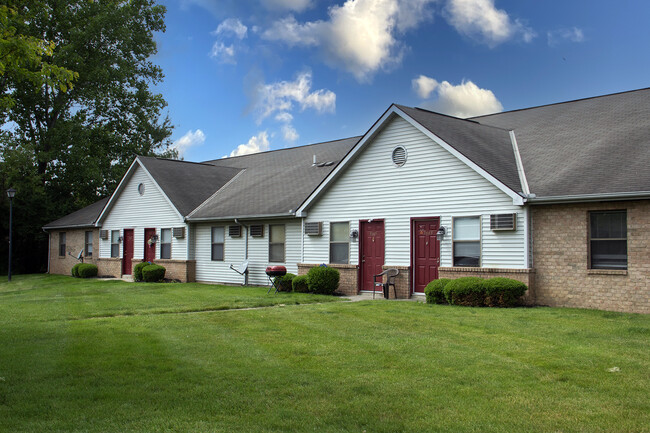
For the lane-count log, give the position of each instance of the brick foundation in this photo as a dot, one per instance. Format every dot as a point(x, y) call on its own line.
point(347, 284)
point(561, 260)
point(526, 276)
point(75, 240)
point(109, 267)
point(183, 270)
point(401, 282)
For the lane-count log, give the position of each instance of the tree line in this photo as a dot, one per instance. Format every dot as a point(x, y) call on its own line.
point(77, 105)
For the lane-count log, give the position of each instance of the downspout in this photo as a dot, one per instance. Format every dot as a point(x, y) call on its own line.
point(245, 248)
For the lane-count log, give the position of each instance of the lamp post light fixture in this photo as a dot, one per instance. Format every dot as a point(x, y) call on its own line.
point(10, 193)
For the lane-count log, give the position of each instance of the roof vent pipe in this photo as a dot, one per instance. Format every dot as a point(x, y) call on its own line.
point(314, 163)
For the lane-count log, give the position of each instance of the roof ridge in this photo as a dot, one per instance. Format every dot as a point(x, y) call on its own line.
point(454, 117)
point(214, 161)
point(560, 103)
point(214, 194)
point(177, 160)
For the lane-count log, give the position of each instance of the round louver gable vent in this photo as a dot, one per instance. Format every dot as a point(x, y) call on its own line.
point(399, 156)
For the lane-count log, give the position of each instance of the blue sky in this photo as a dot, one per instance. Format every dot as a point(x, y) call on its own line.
point(254, 75)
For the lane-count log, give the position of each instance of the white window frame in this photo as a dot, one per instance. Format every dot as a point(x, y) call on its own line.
point(347, 241)
point(222, 243)
point(479, 240)
point(283, 243)
point(162, 243)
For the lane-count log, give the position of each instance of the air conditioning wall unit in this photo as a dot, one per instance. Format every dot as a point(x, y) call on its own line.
point(257, 230)
point(234, 231)
point(103, 234)
point(178, 232)
point(503, 221)
point(314, 228)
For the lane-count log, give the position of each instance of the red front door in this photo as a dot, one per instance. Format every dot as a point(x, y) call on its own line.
point(149, 250)
point(426, 252)
point(127, 251)
point(372, 253)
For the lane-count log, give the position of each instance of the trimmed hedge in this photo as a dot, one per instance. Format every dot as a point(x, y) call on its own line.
point(284, 282)
point(153, 273)
point(323, 280)
point(75, 270)
point(476, 292)
point(300, 284)
point(137, 270)
point(465, 291)
point(87, 270)
point(503, 292)
point(435, 291)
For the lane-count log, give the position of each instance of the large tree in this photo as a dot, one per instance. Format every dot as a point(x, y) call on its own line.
point(69, 135)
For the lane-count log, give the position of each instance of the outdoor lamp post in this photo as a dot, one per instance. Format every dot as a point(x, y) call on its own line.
point(10, 193)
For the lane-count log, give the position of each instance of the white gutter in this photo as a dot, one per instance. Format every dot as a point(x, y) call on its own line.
point(585, 198)
point(248, 217)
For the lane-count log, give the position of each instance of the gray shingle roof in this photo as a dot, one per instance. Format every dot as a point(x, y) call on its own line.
point(84, 217)
point(487, 146)
point(273, 183)
point(187, 184)
point(599, 145)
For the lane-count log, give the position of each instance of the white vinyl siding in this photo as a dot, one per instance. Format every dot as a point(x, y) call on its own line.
point(150, 210)
point(433, 183)
point(235, 253)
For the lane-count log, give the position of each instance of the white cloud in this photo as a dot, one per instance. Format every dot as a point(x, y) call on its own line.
point(231, 26)
point(281, 96)
point(289, 133)
point(463, 100)
point(482, 21)
point(284, 117)
point(287, 5)
point(191, 139)
point(573, 34)
point(359, 36)
point(424, 86)
point(257, 143)
point(223, 53)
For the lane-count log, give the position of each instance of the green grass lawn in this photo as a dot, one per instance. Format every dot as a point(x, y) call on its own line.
point(99, 356)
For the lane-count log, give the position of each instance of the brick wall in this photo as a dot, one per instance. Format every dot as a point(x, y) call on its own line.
point(75, 240)
point(183, 270)
point(348, 282)
point(109, 267)
point(401, 283)
point(526, 276)
point(560, 251)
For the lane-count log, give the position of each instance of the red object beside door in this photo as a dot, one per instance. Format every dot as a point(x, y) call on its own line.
point(371, 253)
point(426, 252)
point(127, 251)
point(149, 250)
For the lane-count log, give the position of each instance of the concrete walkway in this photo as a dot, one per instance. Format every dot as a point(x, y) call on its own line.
point(379, 297)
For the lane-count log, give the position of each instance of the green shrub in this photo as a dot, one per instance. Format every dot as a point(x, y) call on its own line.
point(467, 291)
point(323, 280)
point(137, 270)
point(435, 291)
point(503, 292)
point(300, 284)
point(284, 282)
point(153, 273)
point(87, 270)
point(75, 270)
